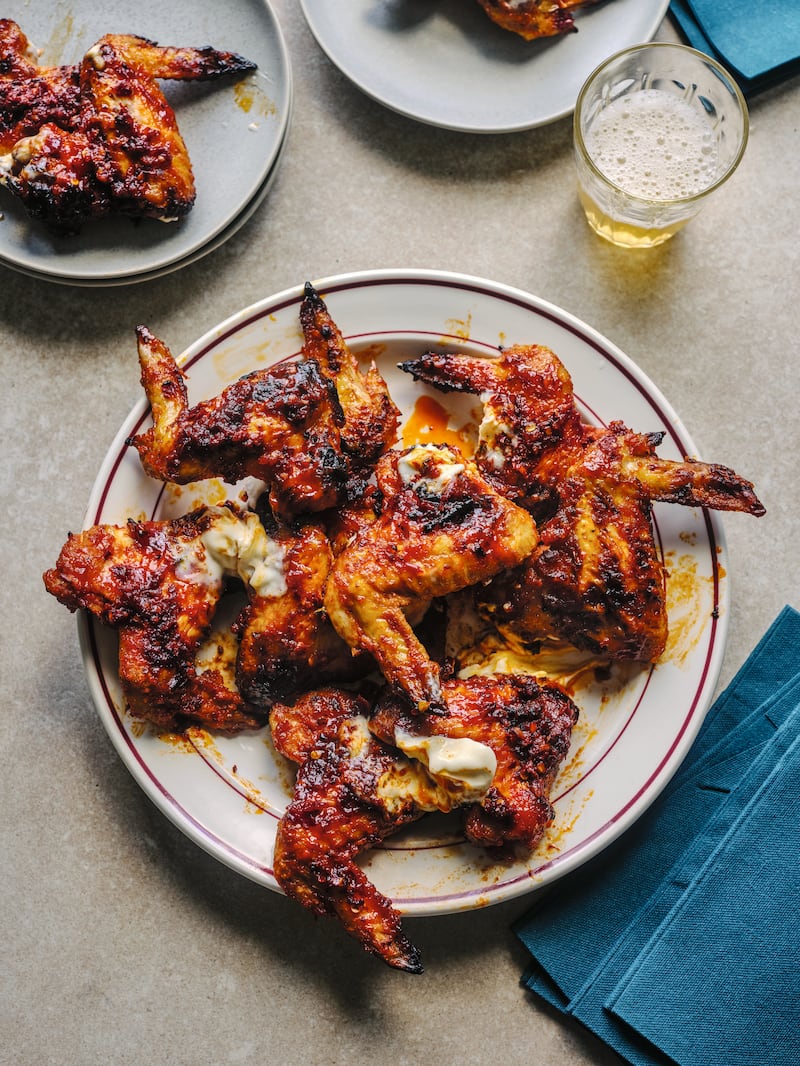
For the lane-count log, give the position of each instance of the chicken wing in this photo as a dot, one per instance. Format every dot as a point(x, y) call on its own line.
point(286, 641)
point(158, 583)
point(104, 140)
point(533, 19)
point(353, 791)
point(346, 799)
point(527, 724)
point(280, 425)
point(528, 409)
point(147, 163)
point(441, 528)
point(595, 577)
point(371, 417)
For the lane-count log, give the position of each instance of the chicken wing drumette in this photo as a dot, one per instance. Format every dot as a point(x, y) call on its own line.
point(441, 528)
point(280, 425)
point(158, 584)
point(351, 792)
point(595, 577)
point(109, 143)
point(527, 724)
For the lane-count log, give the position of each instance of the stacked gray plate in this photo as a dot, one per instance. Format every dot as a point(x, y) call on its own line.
point(235, 131)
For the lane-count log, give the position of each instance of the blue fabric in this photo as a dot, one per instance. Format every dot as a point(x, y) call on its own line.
point(718, 980)
point(591, 930)
point(759, 43)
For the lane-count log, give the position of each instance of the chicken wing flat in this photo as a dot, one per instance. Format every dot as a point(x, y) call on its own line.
point(533, 19)
point(595, 578)
point(442, 528)
point(105, 140)
point(280, 425)
point(158, 584)
point(526, 723)
point(286, 641)
point(371, 417)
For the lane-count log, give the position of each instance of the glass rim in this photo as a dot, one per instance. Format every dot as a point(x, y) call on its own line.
point(725, 76)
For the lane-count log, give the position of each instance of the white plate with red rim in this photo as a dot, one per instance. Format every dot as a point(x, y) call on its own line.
point(445, 63)
point(234, 129)
point(227, 794)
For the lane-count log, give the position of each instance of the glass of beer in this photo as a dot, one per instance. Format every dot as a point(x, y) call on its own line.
point(657, 129)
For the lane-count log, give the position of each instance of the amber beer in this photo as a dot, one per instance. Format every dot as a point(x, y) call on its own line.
point(657, 128)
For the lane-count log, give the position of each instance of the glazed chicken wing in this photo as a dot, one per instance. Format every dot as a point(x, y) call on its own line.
point(286, 641)
point(595, 577)
point(147, 163)
point(337, 811)
point(442, 528)
point(158, 583)
point(528, 408)
point(371, 417)
point(533, 19)
point(526, 724)
point(351, 792)
point(280, 425)
point(112, 144)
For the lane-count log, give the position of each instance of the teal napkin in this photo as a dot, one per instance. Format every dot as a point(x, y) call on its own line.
point(736, 1000)
point(595, 929)
point(758, 42)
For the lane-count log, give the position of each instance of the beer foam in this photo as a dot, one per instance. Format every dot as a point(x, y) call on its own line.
point(653, 145)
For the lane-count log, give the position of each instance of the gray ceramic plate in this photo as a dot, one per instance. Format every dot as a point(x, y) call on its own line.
point(234, 131)
point(234, 226)
point(445, 63)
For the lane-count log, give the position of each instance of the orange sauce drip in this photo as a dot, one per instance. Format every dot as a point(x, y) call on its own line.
point(689, 596)
point(428, 424)
point(244, 94)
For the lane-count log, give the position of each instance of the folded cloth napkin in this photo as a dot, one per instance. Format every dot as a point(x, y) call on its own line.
point(627, 944)
point(759, 43)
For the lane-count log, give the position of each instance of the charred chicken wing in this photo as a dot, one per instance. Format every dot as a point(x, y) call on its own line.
point(533, 19)
point(351, 792)
point(286, 642)
point(31, 96)
point(525, 723)
point(441, 528)
point(280, 425)
point(158, 584)
point(595, 578)
point(371, 417)
point(83, 142)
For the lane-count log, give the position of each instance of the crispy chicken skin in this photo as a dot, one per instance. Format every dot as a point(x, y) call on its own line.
point(154, 582)
point(371, 417)
point(526, 723)
point(83, 142)
point(280, 425)
point(533, 19)
point(441, 528)
point(286, 642)
point(595, 577)
point(337, 811)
